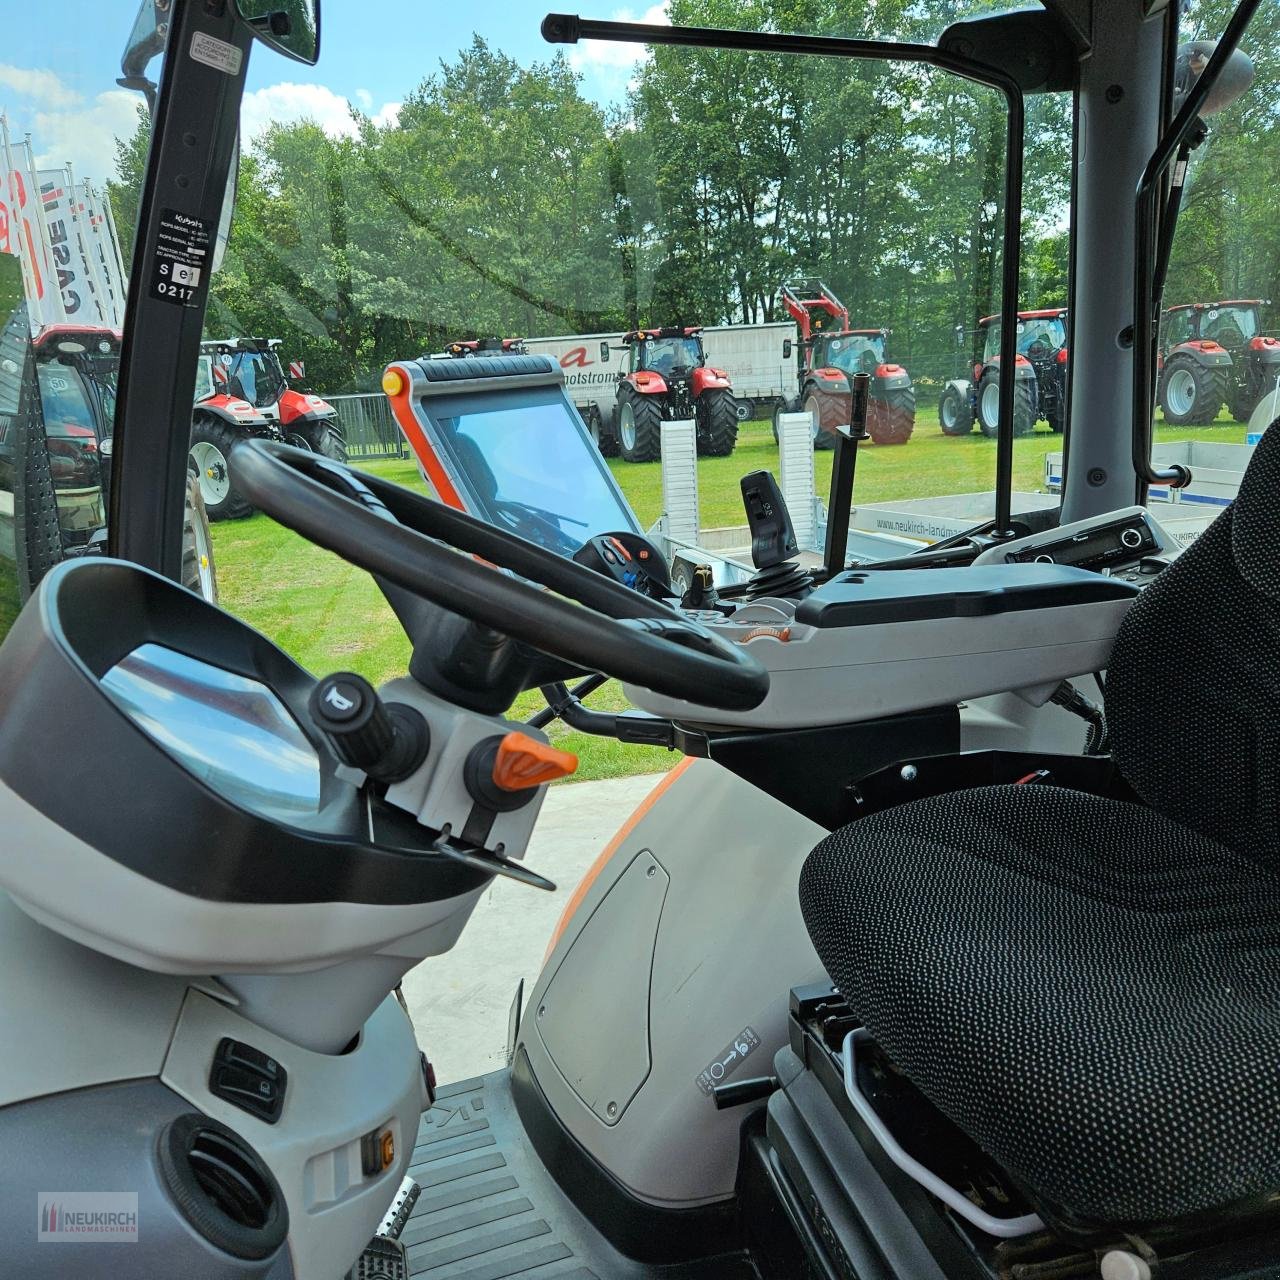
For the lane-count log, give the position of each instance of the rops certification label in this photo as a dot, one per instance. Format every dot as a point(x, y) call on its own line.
point(180, 267)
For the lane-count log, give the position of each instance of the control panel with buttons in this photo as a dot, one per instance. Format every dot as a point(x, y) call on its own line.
point(249, 1079)
point(1104, 546)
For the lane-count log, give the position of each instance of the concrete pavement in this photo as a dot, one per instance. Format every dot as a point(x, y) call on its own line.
point(460, 1001)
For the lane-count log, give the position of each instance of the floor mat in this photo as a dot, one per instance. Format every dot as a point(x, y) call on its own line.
point(489, 1210)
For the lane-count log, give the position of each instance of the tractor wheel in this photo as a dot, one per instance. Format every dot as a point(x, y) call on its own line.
point(1055, 418)
point(955, 413)
point(1024, 409)
point(826, 411)
point(780, 407)
point(326, 438)
point(1191, 394)
point(640, 428)
point(603, 440)
point(211, 443)
point(718, 425)
point(198, 573)
point(893, 419)
point(1242, 403)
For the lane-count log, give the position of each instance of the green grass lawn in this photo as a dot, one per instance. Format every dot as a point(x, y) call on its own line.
point(330, 616)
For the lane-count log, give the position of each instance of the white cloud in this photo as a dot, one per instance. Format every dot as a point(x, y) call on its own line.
point(43, 87)
point(612, 63)
point(288, 103)
point(86, 136)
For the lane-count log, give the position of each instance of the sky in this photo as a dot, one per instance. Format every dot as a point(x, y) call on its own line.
point(59, 62)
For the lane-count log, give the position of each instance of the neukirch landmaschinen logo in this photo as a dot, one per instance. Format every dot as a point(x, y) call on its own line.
point(87, 1217)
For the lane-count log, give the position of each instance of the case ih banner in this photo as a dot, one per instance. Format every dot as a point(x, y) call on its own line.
point(64, 237)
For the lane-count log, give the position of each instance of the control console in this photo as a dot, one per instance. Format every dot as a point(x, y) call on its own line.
point(1128, 543)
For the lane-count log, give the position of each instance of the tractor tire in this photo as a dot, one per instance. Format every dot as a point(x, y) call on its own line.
point(718, 425)
point(326, 438)
point(955, 413)
point(639, 428)
point(1191, 394)
point(603, 440)
point(827, 412)
point(893, 419)
point(198, 572)
point(211, 443)
point(780, 407)
point(1242, 404)
point(1055, 418)
point(1024, 409)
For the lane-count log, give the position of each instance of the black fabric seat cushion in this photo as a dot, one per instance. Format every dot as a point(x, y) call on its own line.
point(1089, 989)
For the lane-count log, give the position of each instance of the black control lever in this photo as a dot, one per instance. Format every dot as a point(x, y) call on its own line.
point(842, 472)
point(773, 541)
point(387, 740)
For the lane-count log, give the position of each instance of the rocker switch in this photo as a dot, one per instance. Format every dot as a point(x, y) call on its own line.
point(249, 1079)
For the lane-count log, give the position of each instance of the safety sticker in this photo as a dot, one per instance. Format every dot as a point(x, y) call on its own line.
point(180, 268)
point(216, 53)
point(728, 1060)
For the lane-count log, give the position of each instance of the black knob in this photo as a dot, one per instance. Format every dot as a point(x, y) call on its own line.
point(387, 740)
point(1131, 538)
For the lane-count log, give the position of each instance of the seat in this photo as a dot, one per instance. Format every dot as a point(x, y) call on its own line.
point(1090, 988)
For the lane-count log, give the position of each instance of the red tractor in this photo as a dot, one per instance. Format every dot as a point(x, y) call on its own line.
point(1040, 377)
point(668, 378)
point(1211, 352)
point(830, 354)
point(243, 391)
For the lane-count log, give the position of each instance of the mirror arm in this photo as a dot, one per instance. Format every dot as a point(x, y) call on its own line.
point(1150, 238)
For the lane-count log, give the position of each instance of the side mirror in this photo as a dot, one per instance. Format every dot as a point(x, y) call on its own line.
point(959, 332)
point(786, 348)
point(604, 353)
point(1232, 83)
point(291, 27)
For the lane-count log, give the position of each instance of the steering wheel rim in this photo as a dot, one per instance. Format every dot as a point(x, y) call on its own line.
point(415, 541)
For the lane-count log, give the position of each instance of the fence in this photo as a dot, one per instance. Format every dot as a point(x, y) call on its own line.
point(370, 430)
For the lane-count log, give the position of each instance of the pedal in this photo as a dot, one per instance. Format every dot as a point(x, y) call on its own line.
point(397, 1216)
point(382, 1259)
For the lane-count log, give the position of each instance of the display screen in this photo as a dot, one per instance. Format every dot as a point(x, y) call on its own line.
point(233, 733)
point(528, 465)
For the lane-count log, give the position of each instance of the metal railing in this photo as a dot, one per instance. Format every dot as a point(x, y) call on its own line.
point(370, 430)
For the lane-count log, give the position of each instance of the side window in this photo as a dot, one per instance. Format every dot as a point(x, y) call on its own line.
point(1211, 406)
point(66, 194)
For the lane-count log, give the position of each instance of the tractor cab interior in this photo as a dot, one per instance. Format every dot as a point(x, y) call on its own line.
point(947, 951)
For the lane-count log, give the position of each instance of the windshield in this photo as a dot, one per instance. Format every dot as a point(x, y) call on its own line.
point(250, 375)
point(1047, 333)
point(665, 354)
point(853, 352)
point(65, 401)
point(472, 179)
point(1231, 326)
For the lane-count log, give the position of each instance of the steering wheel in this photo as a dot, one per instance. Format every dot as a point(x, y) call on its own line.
point(398, 535)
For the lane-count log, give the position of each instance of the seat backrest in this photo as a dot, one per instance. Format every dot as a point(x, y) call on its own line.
point(1193, 693)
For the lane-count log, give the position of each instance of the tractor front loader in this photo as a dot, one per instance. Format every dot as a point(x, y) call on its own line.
point(830, 353)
